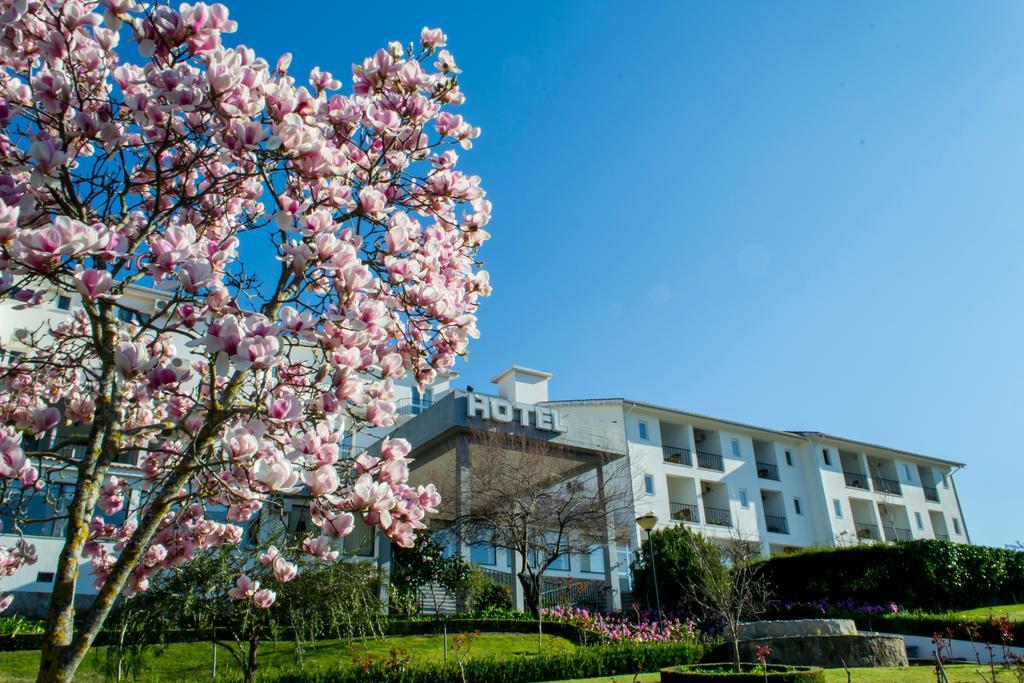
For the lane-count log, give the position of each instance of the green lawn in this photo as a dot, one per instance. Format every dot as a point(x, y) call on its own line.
point(192, 661)
point(959, 673)
point(1015, 612)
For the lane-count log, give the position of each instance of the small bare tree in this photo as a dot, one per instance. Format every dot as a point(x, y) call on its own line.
point(731, 587)
point(542, 501)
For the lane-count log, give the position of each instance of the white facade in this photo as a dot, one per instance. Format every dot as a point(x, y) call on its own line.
point(783, 490)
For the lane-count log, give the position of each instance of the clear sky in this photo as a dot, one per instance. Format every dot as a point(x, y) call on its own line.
point(799, 215)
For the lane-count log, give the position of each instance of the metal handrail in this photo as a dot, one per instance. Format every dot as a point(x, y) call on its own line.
point(766, 470)
point(710, 461)
point(931, 493)
point(887, 485)
point(868, 531)
point(717, 516)
point(777, 524)
point(855, 480)
point(893, 533)
point(679, 456)
point(684, 512)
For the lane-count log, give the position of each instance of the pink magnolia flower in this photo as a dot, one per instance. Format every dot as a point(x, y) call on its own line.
point(264, 598)
point(322, 480)
point(92, 283)
point(244, 588)
point(339, 525)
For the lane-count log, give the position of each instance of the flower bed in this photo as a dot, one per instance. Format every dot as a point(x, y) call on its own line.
point(620, 628)
point(749, 673)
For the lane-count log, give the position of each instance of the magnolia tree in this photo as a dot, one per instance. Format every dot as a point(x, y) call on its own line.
point(313, 243)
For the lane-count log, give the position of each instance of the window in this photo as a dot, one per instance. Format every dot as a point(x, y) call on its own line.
point(44, 577)
point(359, 541)
point(920, 522)
point(906, 468)
point(125, 314)
point(736, 447)
point(956, 526)
point(838, 507)
point(483, 553)
point(744, 501)
point(827, 456)
point(298, 519)
point(945, 482)
point(64, 303)
point(648, 485)
point(623, 556)
point(789, 458)
point(421, 401)
point(446, 539)
point(642, 426)
point(796, 506)
point(346, 443)
point(593, 562)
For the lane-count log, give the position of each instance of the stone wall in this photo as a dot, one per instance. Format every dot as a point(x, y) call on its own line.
point(797, 627)
point(830, 650)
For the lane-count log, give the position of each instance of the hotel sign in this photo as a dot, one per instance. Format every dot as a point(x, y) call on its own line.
point(502, 410)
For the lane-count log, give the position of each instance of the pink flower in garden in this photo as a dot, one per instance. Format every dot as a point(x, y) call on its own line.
point(92, 283)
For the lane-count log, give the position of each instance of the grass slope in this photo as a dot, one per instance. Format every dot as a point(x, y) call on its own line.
point(192, 661)
point(1014, 612)
point(959, 673)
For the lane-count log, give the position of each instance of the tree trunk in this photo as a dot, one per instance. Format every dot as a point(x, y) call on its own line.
point(251, 663)
point(531, 593)
point(736, 652)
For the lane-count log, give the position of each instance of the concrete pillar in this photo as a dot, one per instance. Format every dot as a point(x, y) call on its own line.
point(611, 552)
point(518, 600)
point(384, 563)
point(862, 458)
point(462, 492)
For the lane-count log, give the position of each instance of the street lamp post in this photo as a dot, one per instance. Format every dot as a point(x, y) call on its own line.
point(647, 522)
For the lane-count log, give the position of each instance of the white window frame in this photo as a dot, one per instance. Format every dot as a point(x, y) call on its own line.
point(642, 430)
point(744, 499)
point(919, 520)
point(956, 526)
point(826, 457)
point(798, 507)
point(735, 445)
point(837, 508)
point(789, 457)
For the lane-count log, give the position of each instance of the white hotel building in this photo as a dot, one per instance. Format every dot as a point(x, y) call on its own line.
point(779, 489)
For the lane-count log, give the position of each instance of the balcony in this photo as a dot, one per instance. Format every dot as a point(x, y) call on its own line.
point(942, 537)
point(931, 493)
point(766, 470)
point(883, 485)
point(777, 524)
point(717, 516)
point(679, 456)
point(855, 480)
point(868, 532)
point(710, 461)
point(412, 406)
point(895, 533)
point(684, 512)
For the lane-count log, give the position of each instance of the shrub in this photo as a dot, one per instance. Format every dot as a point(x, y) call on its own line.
point(931, 575)
point(680, 571)
point(751, 673)
point(582, 663)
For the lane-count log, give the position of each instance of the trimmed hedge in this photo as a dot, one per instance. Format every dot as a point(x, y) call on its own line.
point(585, 662)
point(929, 575)
point(753, 673)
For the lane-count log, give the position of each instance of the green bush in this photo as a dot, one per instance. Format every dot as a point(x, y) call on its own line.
point(751, 674)
point(680, 571)
point(919, 624)
point(584, 662)
point(928, 575)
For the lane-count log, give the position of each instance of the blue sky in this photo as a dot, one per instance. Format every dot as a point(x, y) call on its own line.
point(801, 215)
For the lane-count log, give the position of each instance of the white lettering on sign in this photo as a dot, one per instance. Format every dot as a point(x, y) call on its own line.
point(503, 410)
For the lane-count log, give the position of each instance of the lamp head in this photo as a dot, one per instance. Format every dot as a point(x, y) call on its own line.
point(647, 522)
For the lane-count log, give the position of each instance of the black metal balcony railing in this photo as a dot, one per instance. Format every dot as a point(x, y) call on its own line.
point(777, 524)
point(680, 456)
point(931, 493)
point(766, 470)
point(717, 516)
point(895, 533)
point(868, 531)
point(883, 485)
point(942, 537)
point(710, 461)
point(684, 512)
point(855, 480)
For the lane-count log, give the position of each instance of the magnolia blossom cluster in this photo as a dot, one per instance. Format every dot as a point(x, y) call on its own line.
point(622, 628)
point(241, 386)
